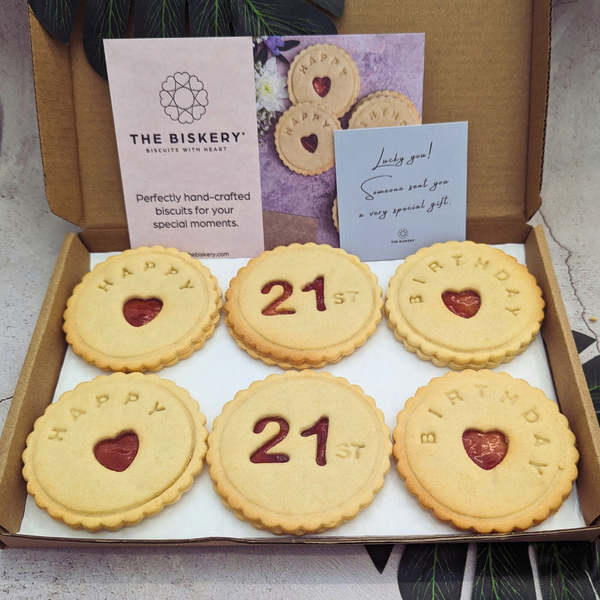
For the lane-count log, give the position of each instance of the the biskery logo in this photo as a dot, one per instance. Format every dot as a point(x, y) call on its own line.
point(184, 98)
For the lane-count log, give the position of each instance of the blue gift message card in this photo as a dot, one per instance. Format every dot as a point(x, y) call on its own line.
point(401, 188)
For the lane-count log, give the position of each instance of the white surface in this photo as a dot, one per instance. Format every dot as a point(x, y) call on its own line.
point(214, 374)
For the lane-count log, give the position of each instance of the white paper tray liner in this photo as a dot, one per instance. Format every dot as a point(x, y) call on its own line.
point(215, 373)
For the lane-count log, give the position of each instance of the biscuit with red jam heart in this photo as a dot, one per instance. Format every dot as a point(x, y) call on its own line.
point(115, 450)
point(304, 138)
point(464, 305)
point(142, 310)
point(324, 74)
point(486, 452)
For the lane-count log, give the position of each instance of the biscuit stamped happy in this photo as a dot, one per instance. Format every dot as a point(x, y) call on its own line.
point(143, 310)
point(324, 74)
point(115, 450)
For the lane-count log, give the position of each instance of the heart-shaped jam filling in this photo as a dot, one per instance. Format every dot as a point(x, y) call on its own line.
point(464, 304)
point(138, 312)
point(322, 85)
point(310, 143)
point(486, 449)
point(117, 453)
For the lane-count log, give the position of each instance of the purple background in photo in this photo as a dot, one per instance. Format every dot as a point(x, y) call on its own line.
point(385, 62)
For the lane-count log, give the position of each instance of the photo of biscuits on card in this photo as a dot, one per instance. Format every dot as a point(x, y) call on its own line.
point(310, 87)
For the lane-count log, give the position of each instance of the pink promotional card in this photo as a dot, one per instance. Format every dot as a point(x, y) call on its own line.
point(196, 121)
point(185, 120)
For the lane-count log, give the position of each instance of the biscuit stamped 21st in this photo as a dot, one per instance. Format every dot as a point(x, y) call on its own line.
point(303, 306)
point(299, 453)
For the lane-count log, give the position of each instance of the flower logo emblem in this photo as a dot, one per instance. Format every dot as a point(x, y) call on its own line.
point(184, 98)
point(403, 234)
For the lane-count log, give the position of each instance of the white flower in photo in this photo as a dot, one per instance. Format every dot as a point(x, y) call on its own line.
point(271, 88)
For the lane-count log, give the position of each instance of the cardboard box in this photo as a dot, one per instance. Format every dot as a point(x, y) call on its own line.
point(486, 63)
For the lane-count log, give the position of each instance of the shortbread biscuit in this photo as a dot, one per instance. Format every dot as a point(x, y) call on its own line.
point(384, 109)
point(142, 310)
point(378, 94)
point(505, 323)
point(303, 306)
point(375, 95)
point(115, 450)
point(335, 214)
point(304, 138)
point(326, 75)
point(299, 453)
point(516, 486)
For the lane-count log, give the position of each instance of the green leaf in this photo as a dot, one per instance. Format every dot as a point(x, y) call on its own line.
point(568, 570)
point(57, 17)
point(432, 571)
point(107, 19)
point(104, 19)
point(503, 572)
point(335, 7)
point(159, 18)
point(258, 18)
point(210, 18)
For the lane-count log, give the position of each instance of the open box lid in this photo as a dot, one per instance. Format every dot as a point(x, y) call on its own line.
point(486, 63)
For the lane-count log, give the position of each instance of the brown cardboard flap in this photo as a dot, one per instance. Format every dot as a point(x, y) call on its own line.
point(56, 121)
point(538, 103)
point(480, 66)
point(574, 535)
point(499, 230)
point(571, 387)
point(38, 379)
point(105, 240)
point(98, 157)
